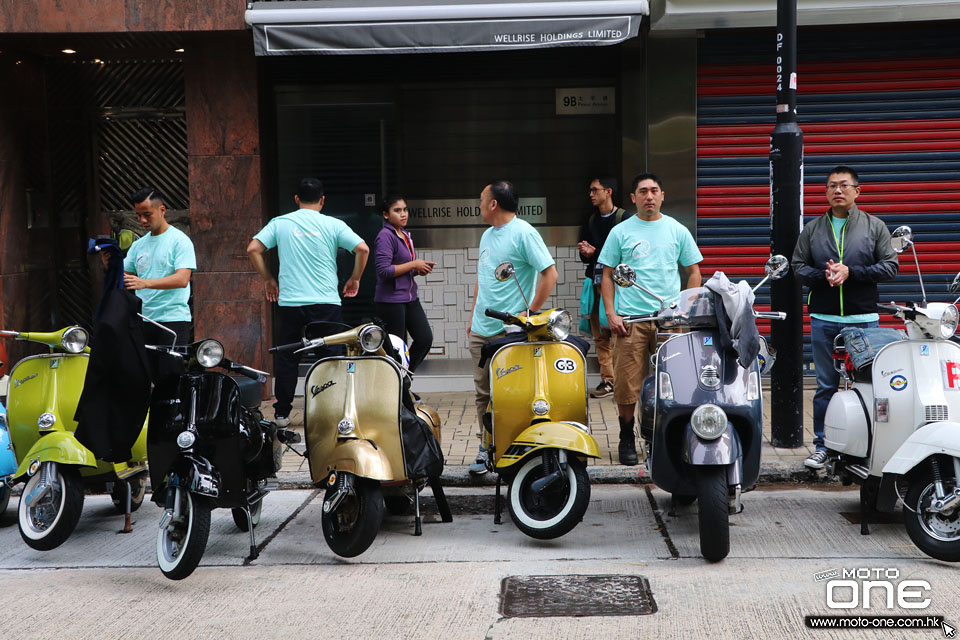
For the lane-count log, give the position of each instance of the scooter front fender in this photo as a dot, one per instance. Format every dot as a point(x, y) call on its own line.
point(936, 437)
point(57, 446)
point(720, 451)
point(549, 435)
point(360, 457)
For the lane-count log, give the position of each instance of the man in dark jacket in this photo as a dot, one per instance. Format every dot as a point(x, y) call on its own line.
point(840, 257)
point(593, 234)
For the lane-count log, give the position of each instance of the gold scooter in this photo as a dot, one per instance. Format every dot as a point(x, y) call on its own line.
point(368, 438)
point(536, 426)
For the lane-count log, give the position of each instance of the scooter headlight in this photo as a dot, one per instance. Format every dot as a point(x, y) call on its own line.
point(708, 421)
point(210, 353)
point(75, 339)
point(46, 421)
point(948, 321)
point(559, 324)
point(186, 439)
point(371, 338)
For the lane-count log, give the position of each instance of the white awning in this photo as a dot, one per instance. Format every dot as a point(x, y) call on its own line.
point(675, 15)
point(394, 26)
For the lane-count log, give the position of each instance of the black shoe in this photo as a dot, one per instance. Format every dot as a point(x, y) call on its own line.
point(628, 453)
point(816, 460)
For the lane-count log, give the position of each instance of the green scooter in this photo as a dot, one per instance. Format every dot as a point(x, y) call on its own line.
point(42, 399)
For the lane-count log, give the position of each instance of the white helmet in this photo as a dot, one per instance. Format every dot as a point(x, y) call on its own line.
point(402, 349)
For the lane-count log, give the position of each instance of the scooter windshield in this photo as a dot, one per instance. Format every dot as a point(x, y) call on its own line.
point(695, 309)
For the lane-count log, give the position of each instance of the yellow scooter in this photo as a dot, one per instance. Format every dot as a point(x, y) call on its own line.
point(41, 402)
point(536, 427)
point(368, 438)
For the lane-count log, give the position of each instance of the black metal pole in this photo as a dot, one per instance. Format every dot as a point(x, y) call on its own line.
point(786, 215)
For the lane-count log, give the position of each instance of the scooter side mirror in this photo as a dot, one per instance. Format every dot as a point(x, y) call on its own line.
point(955, 285)
point(624, 275)
point(504, 271)
point(776, 267)
point(901, 239)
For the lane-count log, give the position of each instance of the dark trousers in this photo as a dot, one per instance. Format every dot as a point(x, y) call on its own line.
point(292, 322)
point(403, 317)
point(161, 365)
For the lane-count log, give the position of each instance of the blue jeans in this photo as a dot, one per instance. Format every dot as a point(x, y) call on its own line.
point(822, 334)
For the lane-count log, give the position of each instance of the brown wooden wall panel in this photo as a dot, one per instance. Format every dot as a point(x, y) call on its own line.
point(104, 16)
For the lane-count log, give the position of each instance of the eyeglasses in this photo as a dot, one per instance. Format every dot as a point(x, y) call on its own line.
point(843, 186)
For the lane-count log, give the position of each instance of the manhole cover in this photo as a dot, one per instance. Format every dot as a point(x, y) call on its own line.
point(576, 596)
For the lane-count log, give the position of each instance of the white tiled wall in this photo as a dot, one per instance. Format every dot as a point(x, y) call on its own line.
point(447, 294)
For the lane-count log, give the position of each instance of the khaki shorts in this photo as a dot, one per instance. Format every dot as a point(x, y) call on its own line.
point(631, 360)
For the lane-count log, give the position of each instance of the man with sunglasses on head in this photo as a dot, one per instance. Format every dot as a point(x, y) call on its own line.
point(840, 257)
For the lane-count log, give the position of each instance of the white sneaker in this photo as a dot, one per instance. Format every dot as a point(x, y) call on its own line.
point(281, 421)
point(479, 466)
point(816, 460)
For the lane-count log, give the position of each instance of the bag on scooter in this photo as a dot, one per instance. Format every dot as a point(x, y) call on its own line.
point(863, 344)
point(421, 451)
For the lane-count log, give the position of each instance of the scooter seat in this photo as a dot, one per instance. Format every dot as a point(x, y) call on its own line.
point(251, 392)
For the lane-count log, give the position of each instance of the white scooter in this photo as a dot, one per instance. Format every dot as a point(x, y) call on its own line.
point(895, 431)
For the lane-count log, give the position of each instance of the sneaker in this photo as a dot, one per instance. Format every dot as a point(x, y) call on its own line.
point(281, 421)
point(603, 390)
point(479, 466)
point(816, 460)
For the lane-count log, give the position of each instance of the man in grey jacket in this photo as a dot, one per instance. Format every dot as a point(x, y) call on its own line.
point(840, 257)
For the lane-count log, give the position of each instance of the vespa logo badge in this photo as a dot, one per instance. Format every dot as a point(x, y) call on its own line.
point(708, 341)
point(898, 383)
point(924, 349)
point(351, 367)
point(502, 372)
point(317, 390)
point(17, 383)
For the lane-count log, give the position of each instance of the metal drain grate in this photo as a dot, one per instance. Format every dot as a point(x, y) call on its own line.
point(575, 596)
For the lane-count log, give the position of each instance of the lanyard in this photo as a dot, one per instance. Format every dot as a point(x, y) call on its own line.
point(406, 241)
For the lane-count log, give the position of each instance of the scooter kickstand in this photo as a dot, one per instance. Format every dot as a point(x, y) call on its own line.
point(417, 522)
point(254, 554)
point(127, 520)
point(498, 505)
point(441, 499)
point(864, 511)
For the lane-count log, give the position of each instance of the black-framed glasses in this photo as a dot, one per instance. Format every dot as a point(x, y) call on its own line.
point(843, 186)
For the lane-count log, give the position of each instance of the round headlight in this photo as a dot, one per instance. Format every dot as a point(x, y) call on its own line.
point(708, 421)
point(186, 439)
point(210, 353)
point(46, 421)
point(540, 407)
point(560, 324)
point(75, 339)
point(371, 338)
point(948, 321)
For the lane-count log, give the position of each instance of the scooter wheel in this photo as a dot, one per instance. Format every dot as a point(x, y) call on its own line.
point(50, 521)
point(180, 547)
point(557, 509)
point(714, 512)
point(240, 516)
point(352, 528)
point(4, 498)
point(935, 534)
point(118, 494)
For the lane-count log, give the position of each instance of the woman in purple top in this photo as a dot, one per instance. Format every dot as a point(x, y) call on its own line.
point(396, 294)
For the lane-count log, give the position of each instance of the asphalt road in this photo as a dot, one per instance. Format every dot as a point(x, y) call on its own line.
point(448, 582)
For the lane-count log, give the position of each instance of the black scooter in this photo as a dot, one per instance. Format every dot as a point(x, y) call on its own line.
point(208, 447)
point(702, 415)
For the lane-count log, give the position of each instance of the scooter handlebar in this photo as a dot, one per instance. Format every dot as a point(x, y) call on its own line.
point(770, 315)
point(499, 315)
point(889, 308)
point(286, 347)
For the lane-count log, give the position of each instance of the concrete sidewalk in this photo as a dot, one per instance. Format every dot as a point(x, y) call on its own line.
point(460, 441)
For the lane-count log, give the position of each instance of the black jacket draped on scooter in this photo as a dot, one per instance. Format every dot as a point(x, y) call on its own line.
point(116, 390)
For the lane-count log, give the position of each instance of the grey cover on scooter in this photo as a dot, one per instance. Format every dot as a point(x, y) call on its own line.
point(738, 304)
point(862, 344)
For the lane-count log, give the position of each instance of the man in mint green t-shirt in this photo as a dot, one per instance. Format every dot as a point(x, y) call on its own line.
point(508, 239)
point(653, 244)
point(307, 242)
point(158, 267)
